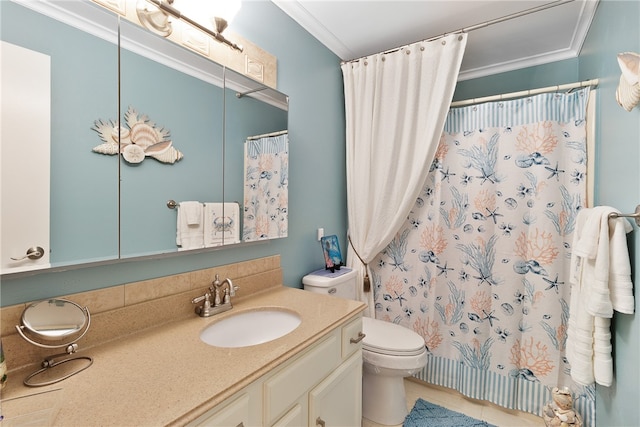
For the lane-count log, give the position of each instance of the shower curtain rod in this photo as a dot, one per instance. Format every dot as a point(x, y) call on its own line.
point(480, 25)
point(523, 93)
point(267, 135)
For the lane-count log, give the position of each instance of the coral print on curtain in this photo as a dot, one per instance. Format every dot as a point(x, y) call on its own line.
point(266, 188)
point(480, 269)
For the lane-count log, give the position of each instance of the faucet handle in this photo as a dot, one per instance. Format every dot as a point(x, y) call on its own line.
point(232, 290)
point(206, 298)
point(204, 309)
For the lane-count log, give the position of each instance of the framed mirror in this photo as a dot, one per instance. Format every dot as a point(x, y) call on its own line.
point(107, 75)
point(51, 324)
point(53, 320)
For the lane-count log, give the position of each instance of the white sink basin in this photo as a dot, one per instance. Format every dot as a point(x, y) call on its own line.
point(250, 328)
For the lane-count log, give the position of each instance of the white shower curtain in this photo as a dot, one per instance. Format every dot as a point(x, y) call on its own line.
point(396, 104)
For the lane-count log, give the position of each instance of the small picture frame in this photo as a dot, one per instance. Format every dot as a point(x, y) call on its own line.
point(331, 251)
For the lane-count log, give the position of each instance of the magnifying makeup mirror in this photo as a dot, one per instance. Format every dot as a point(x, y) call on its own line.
point(55, 323)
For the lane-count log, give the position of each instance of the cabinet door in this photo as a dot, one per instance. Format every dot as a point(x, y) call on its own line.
point(293, 418)
point(284, 388)
point(25, 114)
point(337, 401)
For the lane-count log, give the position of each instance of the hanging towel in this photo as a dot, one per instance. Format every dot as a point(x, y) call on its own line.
point(221, 224)
point(192, 212)
point(601, 283)
point(189, 226)
point(620, 284)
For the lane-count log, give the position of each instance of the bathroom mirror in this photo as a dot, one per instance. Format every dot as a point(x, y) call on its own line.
point(98, 207)
point(51, 324)
point(56, 193)
point(53, 320)
point(256, 156)
point(181, 93)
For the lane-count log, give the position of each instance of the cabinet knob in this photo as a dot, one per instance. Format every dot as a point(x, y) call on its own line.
point(357, 340)
point(320, 422)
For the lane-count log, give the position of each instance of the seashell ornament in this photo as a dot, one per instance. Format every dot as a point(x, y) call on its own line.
point(141, 138)
point(628, 91)
point(133, 153)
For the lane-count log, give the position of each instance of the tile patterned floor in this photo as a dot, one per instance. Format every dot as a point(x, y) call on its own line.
point(451, 399)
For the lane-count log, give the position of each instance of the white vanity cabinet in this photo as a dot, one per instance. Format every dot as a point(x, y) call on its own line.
point(242, 409)
point(321, 386)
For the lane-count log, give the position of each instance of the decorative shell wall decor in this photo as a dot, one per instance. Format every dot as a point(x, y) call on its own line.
point(140, 139)
point(628, 92)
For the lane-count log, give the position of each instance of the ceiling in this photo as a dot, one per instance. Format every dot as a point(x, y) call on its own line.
point(356, 28)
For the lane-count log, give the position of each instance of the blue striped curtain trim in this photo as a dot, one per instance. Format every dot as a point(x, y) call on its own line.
point(559, 107)
point(268, 145)
point(503, 390)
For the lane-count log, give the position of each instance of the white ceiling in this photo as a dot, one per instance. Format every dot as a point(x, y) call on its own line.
point(356, 28)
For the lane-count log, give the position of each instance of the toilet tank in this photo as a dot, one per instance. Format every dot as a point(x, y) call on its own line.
point(341, 283)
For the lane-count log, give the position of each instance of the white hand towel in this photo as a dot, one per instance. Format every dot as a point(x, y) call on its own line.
point(192, 212)
point(586, 244)
point(596, 283)
point(189, 236)
point(620, 284)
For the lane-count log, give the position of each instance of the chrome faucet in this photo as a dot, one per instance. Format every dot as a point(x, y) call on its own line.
point(219, 304)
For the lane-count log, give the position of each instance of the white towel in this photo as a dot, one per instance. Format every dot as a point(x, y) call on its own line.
point(192, 212)
point(620, 284)
point(221, 224)
point(189, 235)
point(601, 283)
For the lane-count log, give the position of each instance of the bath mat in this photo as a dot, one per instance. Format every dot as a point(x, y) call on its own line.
point(428, 414)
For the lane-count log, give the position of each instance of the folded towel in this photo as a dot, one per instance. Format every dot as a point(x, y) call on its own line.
point(221, 224)
point(192, 212)
point(189, 235)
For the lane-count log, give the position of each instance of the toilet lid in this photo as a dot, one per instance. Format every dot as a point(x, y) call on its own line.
point(388, 338)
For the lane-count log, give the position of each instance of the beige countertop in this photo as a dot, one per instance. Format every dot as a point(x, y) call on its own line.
point(166, 375)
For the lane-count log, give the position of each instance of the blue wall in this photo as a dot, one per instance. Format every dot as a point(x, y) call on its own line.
point(614, 29)
point(310, 74)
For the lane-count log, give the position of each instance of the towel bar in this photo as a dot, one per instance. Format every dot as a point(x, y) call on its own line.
point(635, 215)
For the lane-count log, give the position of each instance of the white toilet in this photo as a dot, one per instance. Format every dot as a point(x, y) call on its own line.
point(390, 352)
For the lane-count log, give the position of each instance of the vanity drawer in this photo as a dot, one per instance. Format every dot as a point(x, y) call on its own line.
point(352, 337)
point(286, 386)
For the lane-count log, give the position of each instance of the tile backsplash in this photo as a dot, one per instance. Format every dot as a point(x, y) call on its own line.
point(126, 309)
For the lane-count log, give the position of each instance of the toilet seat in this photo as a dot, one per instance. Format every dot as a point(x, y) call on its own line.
point(387, 338)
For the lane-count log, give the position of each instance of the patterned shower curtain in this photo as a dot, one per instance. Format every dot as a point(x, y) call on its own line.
point(480, 268)
point(266, 188)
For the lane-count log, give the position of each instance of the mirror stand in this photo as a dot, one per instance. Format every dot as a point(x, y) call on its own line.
point(56, 320)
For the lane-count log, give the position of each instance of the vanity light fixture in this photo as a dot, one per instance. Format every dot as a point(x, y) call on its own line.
point(156, 18)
